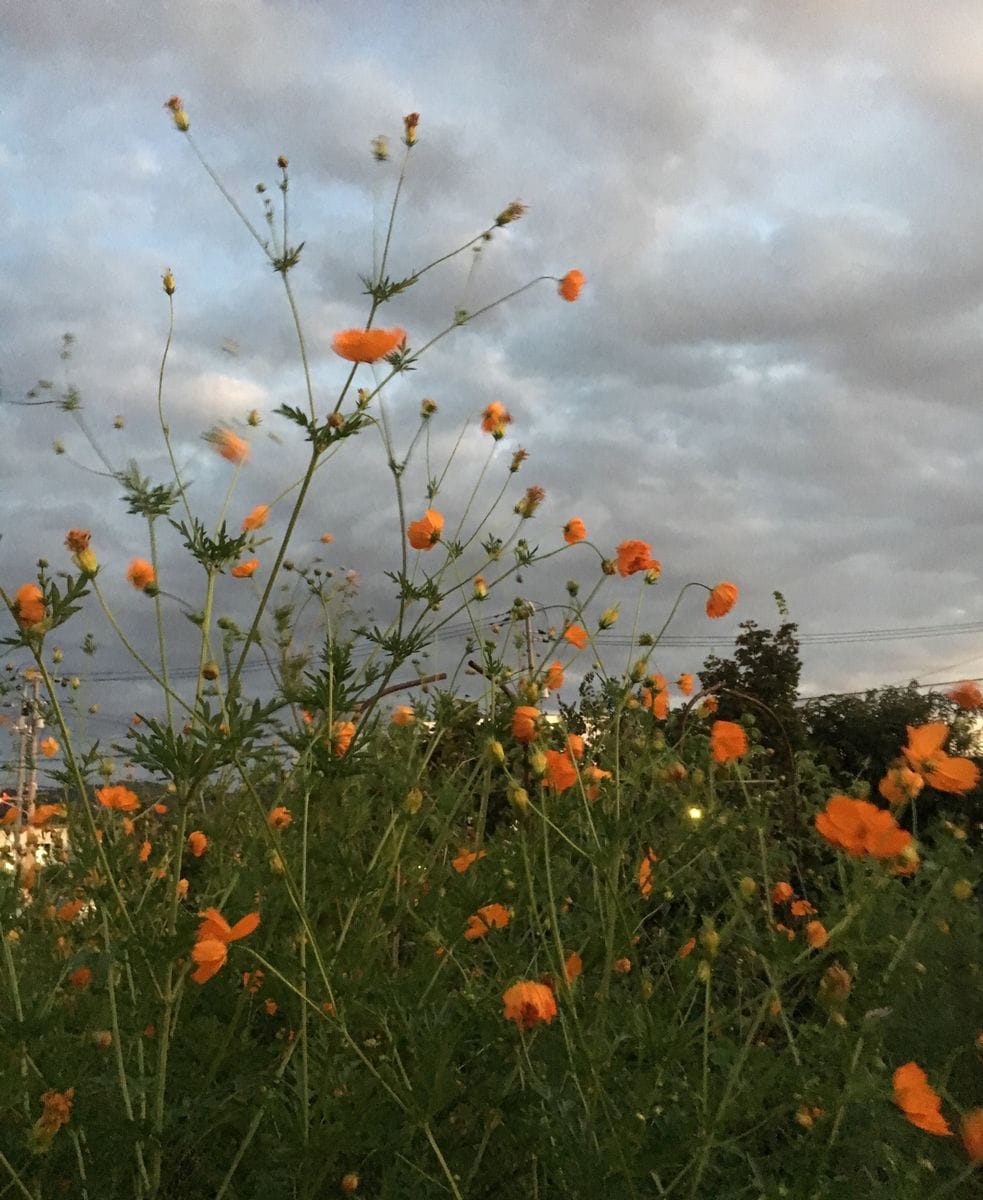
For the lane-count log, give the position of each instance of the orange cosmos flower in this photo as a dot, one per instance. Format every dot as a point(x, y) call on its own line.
point(327, 538)
point(119, 797)
point(210, 951)
point(972, 1134)
point(57, 1112)
point(70, 910)
point(466, 858)
point(403, 715)
point(144, 852)
point(524, 720)
point(197, 843)
point(900, 784)
point(554, 676)
point(594, 777)
point(366, 345)
point(279, 817)
point(252, 981)
point(528, 1003)
point(801, 908)
point(816, 934)
point(571, 285)
point(727, 741)
point(228, 444)
point(560, 770)
point(256, 519)
point(861, 828)
point(492, 916)
point(919, 1102)
point(967, 695)
point(687, 948)
point(645, 871)
point(939, 770)
point(722, 600)
point(342, 733)
point(77, 540)
point(685, 684)
point(80, 979)
point(576, 635)
point(634, 556)
point(495, 419)
point(29, 605)
point(425, 533)
point(44, 813)
point(575, 746)
point(245, 569)
point(573, 967)
point(50, 747)
point(657, 700)
point(574, 531)
point(141, 574)
point(781, 893)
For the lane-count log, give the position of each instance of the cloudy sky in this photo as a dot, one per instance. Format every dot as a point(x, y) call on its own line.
point(772, 375)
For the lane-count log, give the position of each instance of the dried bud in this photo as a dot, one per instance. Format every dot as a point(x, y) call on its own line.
point(253, 419)
point(168, 281)
point(410, 122)
point(176, 105)
point(380, 148)
point(480, 587)
point(747, 886)
point(608, 567)
point(210, 671)
point(518, 459)
point(511, 213)
point(118, 421)
point(652, 574)
point(413, 800)
point(282, 162)
point(530, 502)
point(427, 408)
point(834, 987)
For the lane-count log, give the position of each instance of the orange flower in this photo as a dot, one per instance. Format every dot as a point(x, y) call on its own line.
point(900, 784)
point(366, 345)
point(939, 770)
point(801, 908)
point(80, 978)
point(43, 814)
point(119, 797)
point(50, 747)
point(57, 1111)
point(425, 533)
point(210, 951)
point(722, 600)
point(252, 981)
point(197, 843)
point(495, 419)
point(327, 538)
point(77, 540)
point(571, 285)
point(634, 556)
point(528, 1003)
point(972, 1134)
point(403, 715)
point(727, 741)
point(229, 445)
point(594, 777)
point(574, 966)
point(657, 700)
point(685, 684)
point(245, 569)
point(816, 934)
point(576, 635)
point(279, 817)
point(919, 1102)
point(492, 916)
point(687, 948)
point(861, 828)
point(781, 892)
point(256, 519)
point(342, 733)
point(70, 910)
point(574, 531)
point(141, 574)
point(144, 852)
point(560, 770)
point(554, 676)
point(29, 603)
point(575, 746)
point(967, 695)
point(465, 859)
point(645, 871)
point(524, 720)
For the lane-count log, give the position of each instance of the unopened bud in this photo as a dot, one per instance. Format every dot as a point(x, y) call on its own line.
point(519, 799)
point(480, 587)
point(710, 941)
point(748, 887)
point(413, 800)
point(410, 123)
point(427, 407)
point(652, 574)
point(834, 987)
point(538, 763)
point(962, 889)
point(510, 213)
point(380, 148)
point(210, 671)
point(282, 162)
point(87, 562)
point(607, 618)
point(253, 419)
point(496, 750)
point(168, 280)
point(608, 567)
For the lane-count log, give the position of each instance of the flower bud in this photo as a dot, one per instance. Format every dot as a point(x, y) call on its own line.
point(210, 671)
point(427, 407)
point(510, 213)
point(480, 587)
point(834, 987)
point(710, 941)
point(168, 281)
point(962, 889)
point(87, 562)
point(519, 799)
point(747, 886)
point(413, 800)
point(496, 750)
point(652, 574)
point(608, 618)
point(410, 123)
point(538, 763)
point(380, 148)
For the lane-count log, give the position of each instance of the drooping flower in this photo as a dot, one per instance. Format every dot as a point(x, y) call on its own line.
point(181, 122)
point(919, 1102)
point(634, 556)
point(141, 574)
point(722, 600)
point(403, 714)
point(425, 533)
point(29, 605)
point(491, 916)
point(574, 531)
point(900, 784)
point(118, 797)
point(967, 695)
point(524, 720)
point(229, 445)
point(527, 1003)
point(533, 498)
point(50, 747)
point(342, 733)
point(465, 859)
point(554, 676)
point(366, 345)
point(279, 817)
point(728, 741)
point(197, 843)
point(861, 828)
point(245, 569)
point(571, 285)
point(941, 771)
point(256, 519)
point(594, 777)
point(560, 770)
point(576, 635)
point(495, 419)
point(211, 948)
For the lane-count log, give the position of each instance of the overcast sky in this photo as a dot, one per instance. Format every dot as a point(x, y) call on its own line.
point(772, 374)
